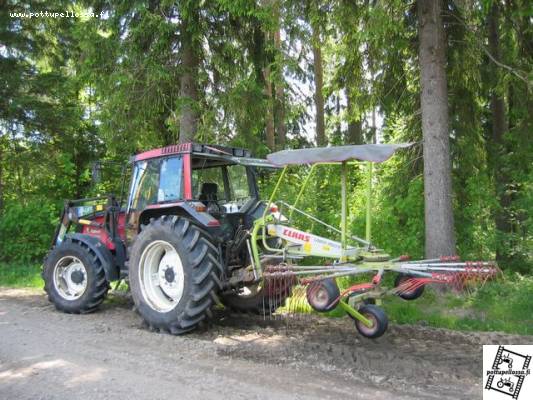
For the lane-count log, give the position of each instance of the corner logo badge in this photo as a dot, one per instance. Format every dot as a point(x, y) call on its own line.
point(509, 373)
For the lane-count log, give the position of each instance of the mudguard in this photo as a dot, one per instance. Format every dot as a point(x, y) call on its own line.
point(112, 272)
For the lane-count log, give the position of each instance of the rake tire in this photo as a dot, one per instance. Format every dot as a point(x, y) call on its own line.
point(323, 295)
point(379, 319)
point(408, 295)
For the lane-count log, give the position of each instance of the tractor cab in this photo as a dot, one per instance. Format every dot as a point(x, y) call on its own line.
point(214, 185)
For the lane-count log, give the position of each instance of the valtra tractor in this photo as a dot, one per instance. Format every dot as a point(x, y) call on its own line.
point(194, 232)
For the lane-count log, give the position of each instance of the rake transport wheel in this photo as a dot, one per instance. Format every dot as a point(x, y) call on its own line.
point(174, 274)
point(323, 295)
point(378, 318)
point(407, 294)
point(74, 278)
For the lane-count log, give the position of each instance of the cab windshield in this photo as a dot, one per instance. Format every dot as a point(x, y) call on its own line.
point(156, 181)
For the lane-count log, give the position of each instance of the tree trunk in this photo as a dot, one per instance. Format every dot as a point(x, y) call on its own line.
point(188, 81)
point(279, 110)
point(497, 103)
point(319, 83)
point(499, 127)
point(355, 127)
point(1, 176)
point(338, 129)
point(279, 105)
point(270, 6)
point(270, 130)
point(439, 221)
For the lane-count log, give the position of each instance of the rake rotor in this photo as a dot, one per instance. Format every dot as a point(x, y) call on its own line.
point(302, 282)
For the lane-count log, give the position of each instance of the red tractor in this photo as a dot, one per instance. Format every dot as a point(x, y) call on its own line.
point(181, 241)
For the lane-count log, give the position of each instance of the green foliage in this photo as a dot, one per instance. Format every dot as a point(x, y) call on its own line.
point(76, 90)
point(26, 230)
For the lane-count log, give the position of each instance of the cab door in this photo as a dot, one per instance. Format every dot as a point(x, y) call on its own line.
point(154, 181)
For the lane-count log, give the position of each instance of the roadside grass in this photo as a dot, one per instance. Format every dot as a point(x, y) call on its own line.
point(504, 305)
point(21, 275)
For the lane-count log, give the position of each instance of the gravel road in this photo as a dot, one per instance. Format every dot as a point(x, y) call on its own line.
point(45, 354)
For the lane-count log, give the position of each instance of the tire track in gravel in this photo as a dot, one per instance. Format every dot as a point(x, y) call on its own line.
point(445, 362)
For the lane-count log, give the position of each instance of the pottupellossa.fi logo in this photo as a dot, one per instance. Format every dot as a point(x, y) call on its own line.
point(57, 14)
point(507, 373)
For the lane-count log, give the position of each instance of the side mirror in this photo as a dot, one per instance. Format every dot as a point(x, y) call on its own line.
point(96, 172)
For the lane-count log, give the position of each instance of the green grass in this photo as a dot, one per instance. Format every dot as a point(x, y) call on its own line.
point(503, 305)
point(21, 275)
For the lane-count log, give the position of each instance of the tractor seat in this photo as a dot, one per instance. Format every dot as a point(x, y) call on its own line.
point(209, 192)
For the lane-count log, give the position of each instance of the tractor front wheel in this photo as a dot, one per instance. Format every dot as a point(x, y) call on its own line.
point(74, 278)
point(174, 274)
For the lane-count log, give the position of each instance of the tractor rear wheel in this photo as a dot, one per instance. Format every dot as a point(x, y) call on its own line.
point(174, 273)
point(74, 278)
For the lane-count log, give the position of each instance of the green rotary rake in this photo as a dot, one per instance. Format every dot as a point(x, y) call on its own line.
point(281, 266)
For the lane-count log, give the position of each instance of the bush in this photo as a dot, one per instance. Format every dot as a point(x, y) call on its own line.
point(26, 230)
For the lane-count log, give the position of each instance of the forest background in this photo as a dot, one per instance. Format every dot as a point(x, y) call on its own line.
point(126, 76)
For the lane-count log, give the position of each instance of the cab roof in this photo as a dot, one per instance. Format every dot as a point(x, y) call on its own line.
point(222, 154)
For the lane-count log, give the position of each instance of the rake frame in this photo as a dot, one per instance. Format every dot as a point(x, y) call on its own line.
point(351, 255)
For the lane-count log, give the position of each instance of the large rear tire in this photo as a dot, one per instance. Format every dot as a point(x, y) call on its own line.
point(74, 278)
point(174, 274)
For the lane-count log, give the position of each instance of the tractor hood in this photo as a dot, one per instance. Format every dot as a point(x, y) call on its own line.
point(365, 152)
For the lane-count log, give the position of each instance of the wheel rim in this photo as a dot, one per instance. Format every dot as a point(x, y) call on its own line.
point(368, 330)
point(320, 297)
point(161, 276)
point(249, 291)
point(70, 278)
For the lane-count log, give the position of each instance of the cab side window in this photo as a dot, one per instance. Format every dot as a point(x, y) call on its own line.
point(208, 176)
point(170, 187)
point(238, 180)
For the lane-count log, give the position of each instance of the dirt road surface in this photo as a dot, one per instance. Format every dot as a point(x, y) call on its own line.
point(45, 354)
